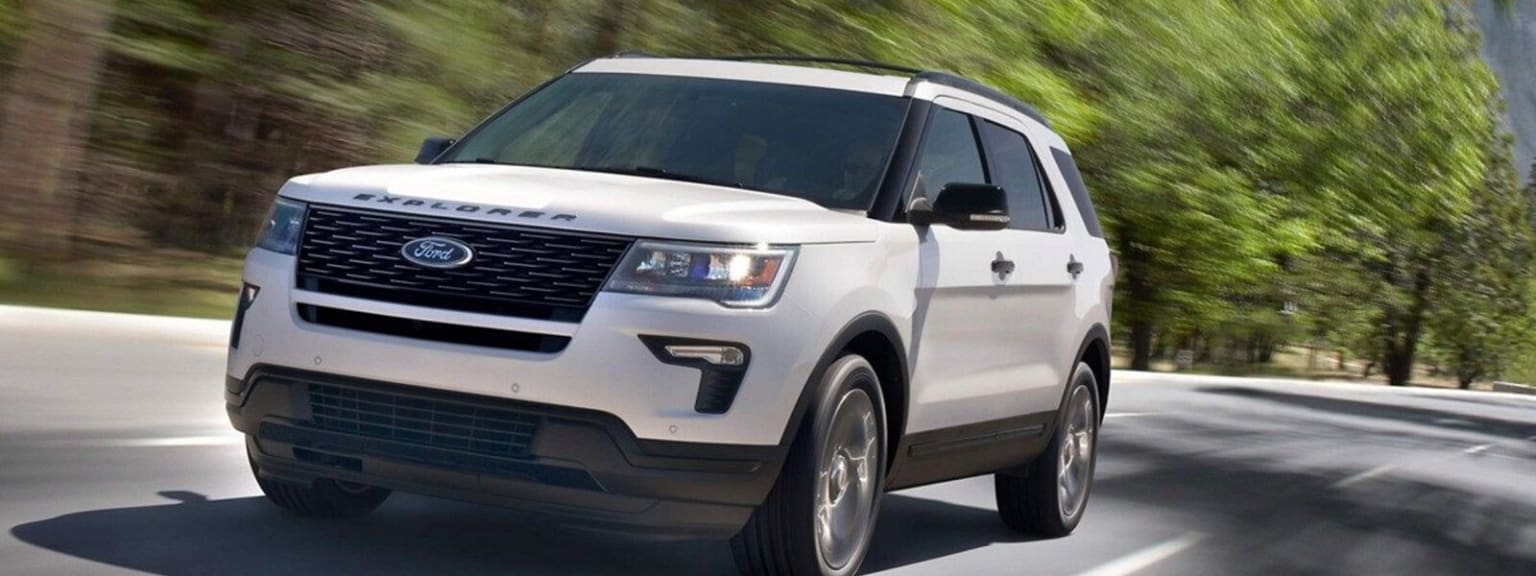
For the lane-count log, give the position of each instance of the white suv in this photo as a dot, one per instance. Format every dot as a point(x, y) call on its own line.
point(690, 297)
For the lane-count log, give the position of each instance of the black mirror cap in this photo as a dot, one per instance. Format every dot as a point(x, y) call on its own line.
point(431, 148)
point(967, 206)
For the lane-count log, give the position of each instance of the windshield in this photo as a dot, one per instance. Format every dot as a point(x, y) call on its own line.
point(827, 146)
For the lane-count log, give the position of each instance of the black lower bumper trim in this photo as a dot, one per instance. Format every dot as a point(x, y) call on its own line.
point(584, 466)
point(334, 443)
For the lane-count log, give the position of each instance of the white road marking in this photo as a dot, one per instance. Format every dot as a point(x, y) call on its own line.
point(1133, 377)
point(1366, 475)
point(1383, 469)
point(1128, 414)
point(192, 331)
point(173, 441)
point(1477, 449)
point(1141, 559)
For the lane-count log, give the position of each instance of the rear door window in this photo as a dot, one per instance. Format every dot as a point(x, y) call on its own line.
point(1014, 168)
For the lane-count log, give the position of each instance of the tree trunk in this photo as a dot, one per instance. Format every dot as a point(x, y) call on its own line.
point(1398, 367)
point(46, 110)
point(1399, 356)
point(1141, 345)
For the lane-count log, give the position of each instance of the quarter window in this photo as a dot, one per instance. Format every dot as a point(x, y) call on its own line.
point(1079, 191)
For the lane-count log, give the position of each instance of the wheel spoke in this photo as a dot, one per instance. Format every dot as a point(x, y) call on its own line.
point(845, 488)
point(1077, 451)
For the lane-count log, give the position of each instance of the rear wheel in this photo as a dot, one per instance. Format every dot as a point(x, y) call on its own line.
point(323, 498)
point(1048, 499)
point(820, 515)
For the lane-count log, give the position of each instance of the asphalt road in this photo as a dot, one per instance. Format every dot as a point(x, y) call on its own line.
point(115, 457)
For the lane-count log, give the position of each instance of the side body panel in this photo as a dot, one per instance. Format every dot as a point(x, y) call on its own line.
point(979, 407)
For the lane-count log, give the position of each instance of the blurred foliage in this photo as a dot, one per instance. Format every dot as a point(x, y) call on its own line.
point(1321, 173)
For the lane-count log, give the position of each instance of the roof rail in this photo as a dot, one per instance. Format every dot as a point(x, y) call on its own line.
point(812, 59)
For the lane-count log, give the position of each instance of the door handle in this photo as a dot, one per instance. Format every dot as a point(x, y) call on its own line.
point(1002, 267)
point(1074, 267)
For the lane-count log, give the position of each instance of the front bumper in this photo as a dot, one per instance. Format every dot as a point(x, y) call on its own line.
point(583, 467)
point(605, 367)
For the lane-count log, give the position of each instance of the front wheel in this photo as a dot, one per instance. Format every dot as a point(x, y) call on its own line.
point(820, 515)
point(1048, 499)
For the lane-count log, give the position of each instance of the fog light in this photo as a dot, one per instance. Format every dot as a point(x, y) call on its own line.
point(721, 366)
point(716, 355)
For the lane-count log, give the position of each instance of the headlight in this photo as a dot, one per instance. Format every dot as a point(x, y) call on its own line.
point(281, 232)
point(739, 277)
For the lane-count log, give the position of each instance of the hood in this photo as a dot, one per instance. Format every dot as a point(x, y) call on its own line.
point(584, 201)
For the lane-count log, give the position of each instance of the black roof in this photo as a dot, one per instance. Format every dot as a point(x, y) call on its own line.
point(942, 78)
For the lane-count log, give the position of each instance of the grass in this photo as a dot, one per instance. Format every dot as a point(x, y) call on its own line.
point(169, 283)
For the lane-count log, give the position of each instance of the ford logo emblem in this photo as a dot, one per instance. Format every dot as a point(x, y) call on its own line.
point(437, 252)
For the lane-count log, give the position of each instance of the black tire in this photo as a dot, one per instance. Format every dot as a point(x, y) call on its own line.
point(324, 498)
point(1031, 501)
point(781, 538)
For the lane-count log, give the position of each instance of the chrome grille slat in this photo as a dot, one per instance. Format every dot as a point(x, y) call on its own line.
point(517, 271)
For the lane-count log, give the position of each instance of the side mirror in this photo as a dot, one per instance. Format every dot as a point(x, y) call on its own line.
point(964, 207)
point(431, 148)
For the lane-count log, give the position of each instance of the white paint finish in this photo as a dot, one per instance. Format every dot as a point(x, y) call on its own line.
point(1146, 557)
point(964, 369)
point(988, 344)
point(606, 367)
point(1047, 330)
point(753, 72)
point(601, 203)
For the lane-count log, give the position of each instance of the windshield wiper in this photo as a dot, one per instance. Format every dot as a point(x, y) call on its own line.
point(648, 171)
point(654, 172)
point(476, 161)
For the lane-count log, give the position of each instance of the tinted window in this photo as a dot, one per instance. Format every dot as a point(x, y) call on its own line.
point(827, 146)
point(950, 153)
point(1013, 167)
point(1079, 191)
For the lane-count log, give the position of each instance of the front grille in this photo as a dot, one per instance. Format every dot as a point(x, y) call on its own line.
point(517, 271)
point(430, 419)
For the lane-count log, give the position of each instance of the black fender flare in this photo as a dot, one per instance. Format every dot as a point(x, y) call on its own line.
point(1096, 333)
point(866, 322)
